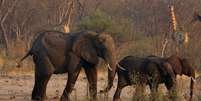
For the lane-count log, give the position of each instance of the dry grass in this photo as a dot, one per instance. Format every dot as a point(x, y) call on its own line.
point(17, 83)
point(17, 86)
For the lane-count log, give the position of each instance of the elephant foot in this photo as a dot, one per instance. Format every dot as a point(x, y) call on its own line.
point(92, 99)
point(64, 98)
point(36, 98)
point(117, 99)
point(39, 98)
point(103, 91)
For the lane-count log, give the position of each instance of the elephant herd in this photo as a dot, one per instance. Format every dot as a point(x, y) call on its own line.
point(152, 71)
point(55, 52)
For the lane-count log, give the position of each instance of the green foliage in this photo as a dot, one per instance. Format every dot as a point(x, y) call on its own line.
point(122, 28)
point(98, 21)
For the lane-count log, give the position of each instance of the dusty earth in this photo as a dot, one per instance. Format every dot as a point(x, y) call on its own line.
point(18, 87)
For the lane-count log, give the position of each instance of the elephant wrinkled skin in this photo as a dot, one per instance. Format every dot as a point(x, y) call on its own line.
point(137, 70)
point(182, 66)
point(142, 71)
point(56, 52)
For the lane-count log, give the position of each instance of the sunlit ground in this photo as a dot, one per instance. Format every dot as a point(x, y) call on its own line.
point(18, 87)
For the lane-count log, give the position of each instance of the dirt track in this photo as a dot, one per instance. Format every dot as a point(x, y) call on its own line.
point(19, 87)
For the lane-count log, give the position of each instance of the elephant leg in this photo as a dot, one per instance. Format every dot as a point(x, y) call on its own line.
point(154, 90)
point(117, 94)
point(74, 68)
point(171, 86)
point(43, 72)
point(39, 90)
point(72, 77)
point(123, 81)
point(91, 73)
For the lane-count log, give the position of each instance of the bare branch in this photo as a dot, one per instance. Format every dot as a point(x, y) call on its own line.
point(2, 23)
point(2, 3)
point(9, 11)
point(164, 47)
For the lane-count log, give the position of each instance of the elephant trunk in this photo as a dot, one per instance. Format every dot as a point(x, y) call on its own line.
point(111, 76)
point(111, 63)
point(192, 84)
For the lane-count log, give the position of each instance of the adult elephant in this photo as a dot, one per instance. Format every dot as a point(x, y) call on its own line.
point(56, 52)
point(142, 71)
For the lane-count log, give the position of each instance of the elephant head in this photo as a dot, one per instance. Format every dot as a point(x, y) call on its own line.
point(182, 66)
point(163, 66)
point(90, 46)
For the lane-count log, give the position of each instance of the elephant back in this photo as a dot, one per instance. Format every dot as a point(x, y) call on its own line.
point(135, 69)
point(158, 61)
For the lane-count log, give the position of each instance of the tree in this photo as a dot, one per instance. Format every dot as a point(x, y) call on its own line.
point(97, 21)
point(6, 7)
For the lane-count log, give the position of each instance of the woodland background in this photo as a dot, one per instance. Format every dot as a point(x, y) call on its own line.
point(138, 26)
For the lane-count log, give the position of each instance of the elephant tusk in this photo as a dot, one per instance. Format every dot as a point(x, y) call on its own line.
point(109, 67)
point(120, 67)
point(193, 79)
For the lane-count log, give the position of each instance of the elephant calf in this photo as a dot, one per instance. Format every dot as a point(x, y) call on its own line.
point(180, 66)
point(143, 71)
point(152, 71)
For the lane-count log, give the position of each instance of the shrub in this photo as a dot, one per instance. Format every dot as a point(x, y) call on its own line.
point(97, 21)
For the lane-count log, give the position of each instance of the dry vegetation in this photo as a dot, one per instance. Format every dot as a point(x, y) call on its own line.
point(18, 87)
point(138, 27)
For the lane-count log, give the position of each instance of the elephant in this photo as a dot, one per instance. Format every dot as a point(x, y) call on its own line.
point(132, 70)
point(56, 52)
point(160, 69)
point(180, 66)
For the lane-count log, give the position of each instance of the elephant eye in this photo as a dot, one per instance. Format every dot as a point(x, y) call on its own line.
point(102, 51)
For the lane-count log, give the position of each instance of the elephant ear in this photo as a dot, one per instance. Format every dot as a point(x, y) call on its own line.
point(187, 68)
point(166, 69)
point(84, 48)
point(169, 70)
point(176, 64)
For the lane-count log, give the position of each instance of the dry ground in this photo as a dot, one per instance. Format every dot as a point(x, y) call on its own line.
point(18, 87)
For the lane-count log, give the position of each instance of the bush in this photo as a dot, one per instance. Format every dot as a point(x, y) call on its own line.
point(98, 21)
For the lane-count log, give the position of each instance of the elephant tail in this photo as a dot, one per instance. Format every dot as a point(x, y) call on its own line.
point(18, 64)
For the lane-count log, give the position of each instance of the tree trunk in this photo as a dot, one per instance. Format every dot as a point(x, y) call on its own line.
point(66, 28)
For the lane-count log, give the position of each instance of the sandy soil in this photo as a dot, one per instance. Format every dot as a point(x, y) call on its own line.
point(18, 87)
